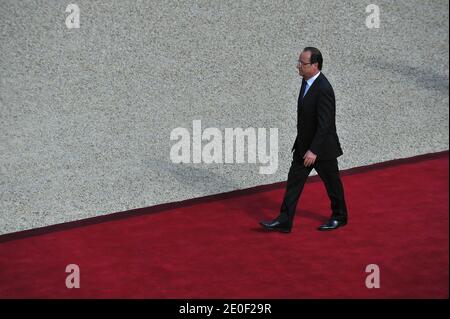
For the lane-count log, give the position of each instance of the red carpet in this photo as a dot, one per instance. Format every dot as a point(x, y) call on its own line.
point(398, 219)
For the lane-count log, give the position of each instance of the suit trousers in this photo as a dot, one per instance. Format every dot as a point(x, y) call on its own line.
point(328, 171)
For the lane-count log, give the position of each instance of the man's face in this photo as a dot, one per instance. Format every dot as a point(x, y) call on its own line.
point(304, 66)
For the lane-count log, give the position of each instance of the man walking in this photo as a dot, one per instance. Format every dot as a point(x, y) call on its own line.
point(316, 146)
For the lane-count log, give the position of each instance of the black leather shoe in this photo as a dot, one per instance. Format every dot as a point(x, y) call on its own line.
point(332, 224)
point(277, 226)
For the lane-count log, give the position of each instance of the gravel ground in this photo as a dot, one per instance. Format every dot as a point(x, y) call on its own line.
point(86, 114)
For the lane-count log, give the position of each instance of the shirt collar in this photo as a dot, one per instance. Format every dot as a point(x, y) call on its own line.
point(311, 80)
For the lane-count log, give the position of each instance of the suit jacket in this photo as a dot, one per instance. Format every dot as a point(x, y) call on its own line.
point(316, 121)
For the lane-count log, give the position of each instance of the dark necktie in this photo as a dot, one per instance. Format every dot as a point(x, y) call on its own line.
point(302, 90)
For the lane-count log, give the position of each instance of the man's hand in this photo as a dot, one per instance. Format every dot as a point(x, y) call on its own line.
point(309, 158)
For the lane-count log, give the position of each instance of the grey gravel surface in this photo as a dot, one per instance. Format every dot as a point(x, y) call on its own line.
point(86, 114)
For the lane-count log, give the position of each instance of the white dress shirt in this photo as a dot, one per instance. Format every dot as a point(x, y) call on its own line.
point(310, 82)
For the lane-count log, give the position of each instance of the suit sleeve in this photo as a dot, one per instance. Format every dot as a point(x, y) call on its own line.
point(325, 117)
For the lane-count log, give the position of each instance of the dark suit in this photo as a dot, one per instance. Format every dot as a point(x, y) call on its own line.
point(316, 131)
